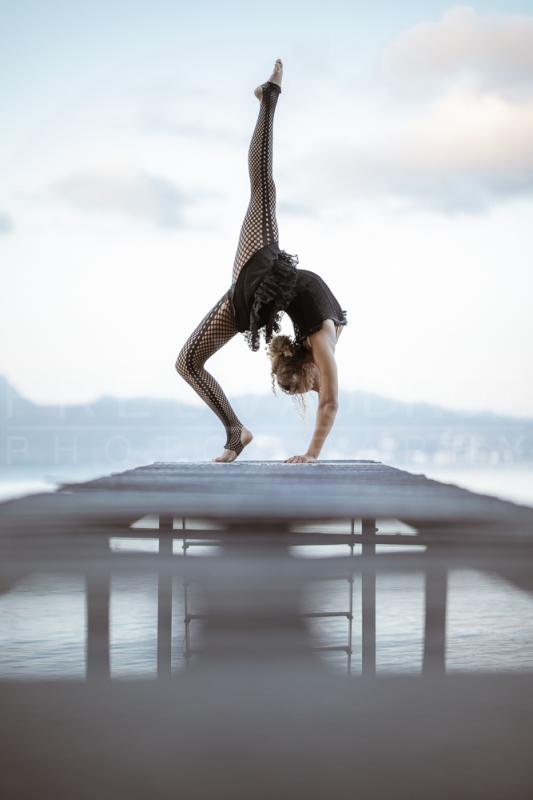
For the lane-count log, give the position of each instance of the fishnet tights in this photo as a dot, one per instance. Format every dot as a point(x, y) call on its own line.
point(260, 226)
point(258, 229)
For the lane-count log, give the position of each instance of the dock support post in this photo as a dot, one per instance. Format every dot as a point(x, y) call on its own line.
point(368, 598)
point(164, 602)
point(436, 597)
point(98, 599)
point(350, 602)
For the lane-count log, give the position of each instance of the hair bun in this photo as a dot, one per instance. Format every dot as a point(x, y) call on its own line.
point(281, 346)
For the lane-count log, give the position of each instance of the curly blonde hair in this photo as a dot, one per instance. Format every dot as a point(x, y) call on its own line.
point(290, 366)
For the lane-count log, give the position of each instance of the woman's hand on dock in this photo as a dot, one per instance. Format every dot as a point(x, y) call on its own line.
point(299, 459)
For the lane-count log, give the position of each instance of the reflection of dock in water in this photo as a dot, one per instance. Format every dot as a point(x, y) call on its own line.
point(247, 629)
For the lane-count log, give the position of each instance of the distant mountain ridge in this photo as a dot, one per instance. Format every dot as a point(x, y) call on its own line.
point(144, 429)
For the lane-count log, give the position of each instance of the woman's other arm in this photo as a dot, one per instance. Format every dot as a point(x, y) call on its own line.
point(324, 357)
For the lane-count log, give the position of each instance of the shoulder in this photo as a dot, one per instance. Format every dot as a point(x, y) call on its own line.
point(323, 338)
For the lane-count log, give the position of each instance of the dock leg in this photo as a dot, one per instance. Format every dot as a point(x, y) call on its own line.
point(186, 617)
point(98, 595)
point(164, 602)
point(350, 605)
point(349, 648)
point(368, 599)
point(436, 595)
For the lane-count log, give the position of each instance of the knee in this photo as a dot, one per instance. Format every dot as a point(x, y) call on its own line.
point(181, 363)
point(186, 362)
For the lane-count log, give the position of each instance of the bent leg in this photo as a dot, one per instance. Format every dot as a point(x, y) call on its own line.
point(216, 328)
point(260, 226)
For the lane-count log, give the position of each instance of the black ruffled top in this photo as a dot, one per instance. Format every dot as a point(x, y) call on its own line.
point(268, 285)
point(313, 303)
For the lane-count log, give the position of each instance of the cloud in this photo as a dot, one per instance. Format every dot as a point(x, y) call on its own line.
point(490, 50)
point(6, 224)
point(465, 152)
point(131, 193)
point(463, 146)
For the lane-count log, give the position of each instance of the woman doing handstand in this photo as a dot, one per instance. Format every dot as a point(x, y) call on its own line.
point(266, 282)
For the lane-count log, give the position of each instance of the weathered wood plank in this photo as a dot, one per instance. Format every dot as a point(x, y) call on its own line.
point(261, 493)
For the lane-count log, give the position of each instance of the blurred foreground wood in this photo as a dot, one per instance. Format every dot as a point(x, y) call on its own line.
point(256, 714)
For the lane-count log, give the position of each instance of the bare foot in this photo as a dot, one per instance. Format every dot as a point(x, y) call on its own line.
point(231, 455)
point(276, 77)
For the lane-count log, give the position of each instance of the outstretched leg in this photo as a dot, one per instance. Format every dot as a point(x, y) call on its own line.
point(258, 229)
point(216, 328)
point(260, 226)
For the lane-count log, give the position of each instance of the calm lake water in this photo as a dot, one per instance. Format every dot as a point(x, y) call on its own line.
point(489, 624)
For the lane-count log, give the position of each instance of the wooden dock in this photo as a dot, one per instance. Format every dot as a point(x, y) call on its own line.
point(251, 491)
point(255, 661)
point(258, 511)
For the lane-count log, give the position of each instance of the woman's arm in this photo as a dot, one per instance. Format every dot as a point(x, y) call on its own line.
point(324, 357)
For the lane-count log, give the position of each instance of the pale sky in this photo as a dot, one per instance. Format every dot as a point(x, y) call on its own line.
point(403, 160)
